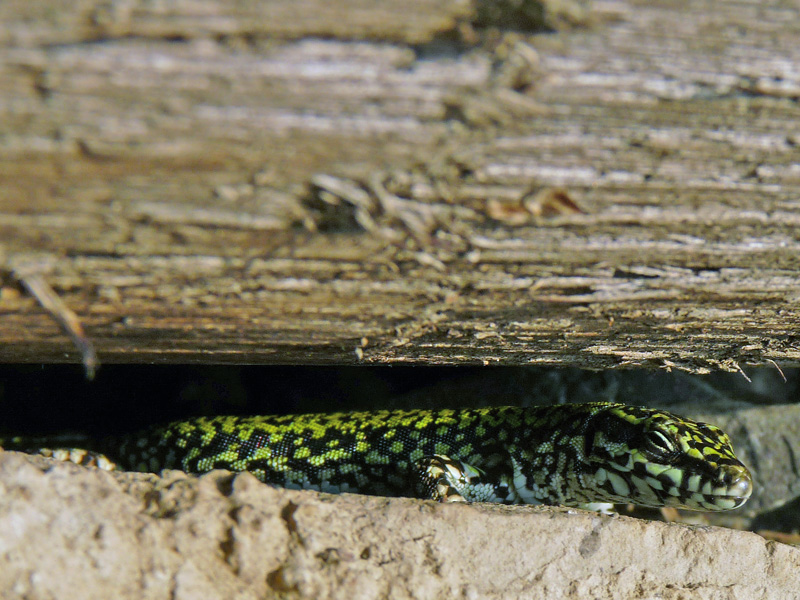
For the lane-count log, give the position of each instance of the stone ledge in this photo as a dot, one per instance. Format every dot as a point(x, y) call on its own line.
point(69, 532)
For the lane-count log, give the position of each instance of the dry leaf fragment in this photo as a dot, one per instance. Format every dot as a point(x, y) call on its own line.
point(549, 202)
point(510, 213)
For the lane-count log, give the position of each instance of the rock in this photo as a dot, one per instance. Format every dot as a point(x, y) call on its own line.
point(70, 532)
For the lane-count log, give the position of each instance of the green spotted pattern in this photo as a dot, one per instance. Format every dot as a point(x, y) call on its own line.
point(572, 454)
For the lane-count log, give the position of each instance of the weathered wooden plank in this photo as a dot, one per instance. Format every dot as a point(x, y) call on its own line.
point(42, 22)
point(348, 202)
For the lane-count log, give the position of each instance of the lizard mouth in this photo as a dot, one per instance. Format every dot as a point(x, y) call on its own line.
point(731, 489)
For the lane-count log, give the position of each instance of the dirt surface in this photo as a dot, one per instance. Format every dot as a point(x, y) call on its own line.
point(69, 532)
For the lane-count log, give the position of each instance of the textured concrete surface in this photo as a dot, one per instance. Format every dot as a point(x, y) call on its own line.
point(69, 532)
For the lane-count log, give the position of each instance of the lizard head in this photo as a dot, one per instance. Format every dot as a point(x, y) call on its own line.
point(654, 458)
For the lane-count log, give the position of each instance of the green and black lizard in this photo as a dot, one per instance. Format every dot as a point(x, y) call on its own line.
point(570, 454)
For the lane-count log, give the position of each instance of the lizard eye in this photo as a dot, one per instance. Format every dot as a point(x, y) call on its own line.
point(659, 443)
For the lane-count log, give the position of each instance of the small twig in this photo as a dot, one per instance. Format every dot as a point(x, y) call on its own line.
point(779, 369)
point(743, 373)
point(41, 290)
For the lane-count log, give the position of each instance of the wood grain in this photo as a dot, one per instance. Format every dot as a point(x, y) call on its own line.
point(207, 184)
